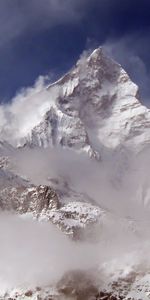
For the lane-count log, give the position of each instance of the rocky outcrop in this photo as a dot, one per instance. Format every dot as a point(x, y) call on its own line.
point(42, 203)
point(74, 217)
point(32, 199)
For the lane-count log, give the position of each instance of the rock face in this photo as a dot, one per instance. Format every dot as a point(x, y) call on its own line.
point(42, 203)
point(31, 199)
point(74, 217)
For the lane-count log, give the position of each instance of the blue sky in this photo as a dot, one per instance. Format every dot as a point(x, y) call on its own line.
point(39, 37)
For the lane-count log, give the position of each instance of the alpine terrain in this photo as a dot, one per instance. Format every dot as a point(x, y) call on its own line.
point(81, 164)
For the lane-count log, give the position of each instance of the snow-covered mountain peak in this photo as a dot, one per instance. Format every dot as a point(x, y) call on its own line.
point(97, 104)
point(94, 105)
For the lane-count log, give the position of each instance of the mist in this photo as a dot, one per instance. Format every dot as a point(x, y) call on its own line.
point(37, 254)
point(115, 183)
point(30, 252)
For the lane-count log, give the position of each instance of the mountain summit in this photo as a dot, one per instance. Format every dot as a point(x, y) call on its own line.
point(96, 105)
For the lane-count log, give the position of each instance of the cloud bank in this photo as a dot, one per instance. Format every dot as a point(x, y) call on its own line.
point(30, 253)
point(119, 241)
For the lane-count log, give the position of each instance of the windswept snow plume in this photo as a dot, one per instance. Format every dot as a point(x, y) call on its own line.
point(25, 111)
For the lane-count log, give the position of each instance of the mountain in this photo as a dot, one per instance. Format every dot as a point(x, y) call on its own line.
point(97, 105)
point(93, 110)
